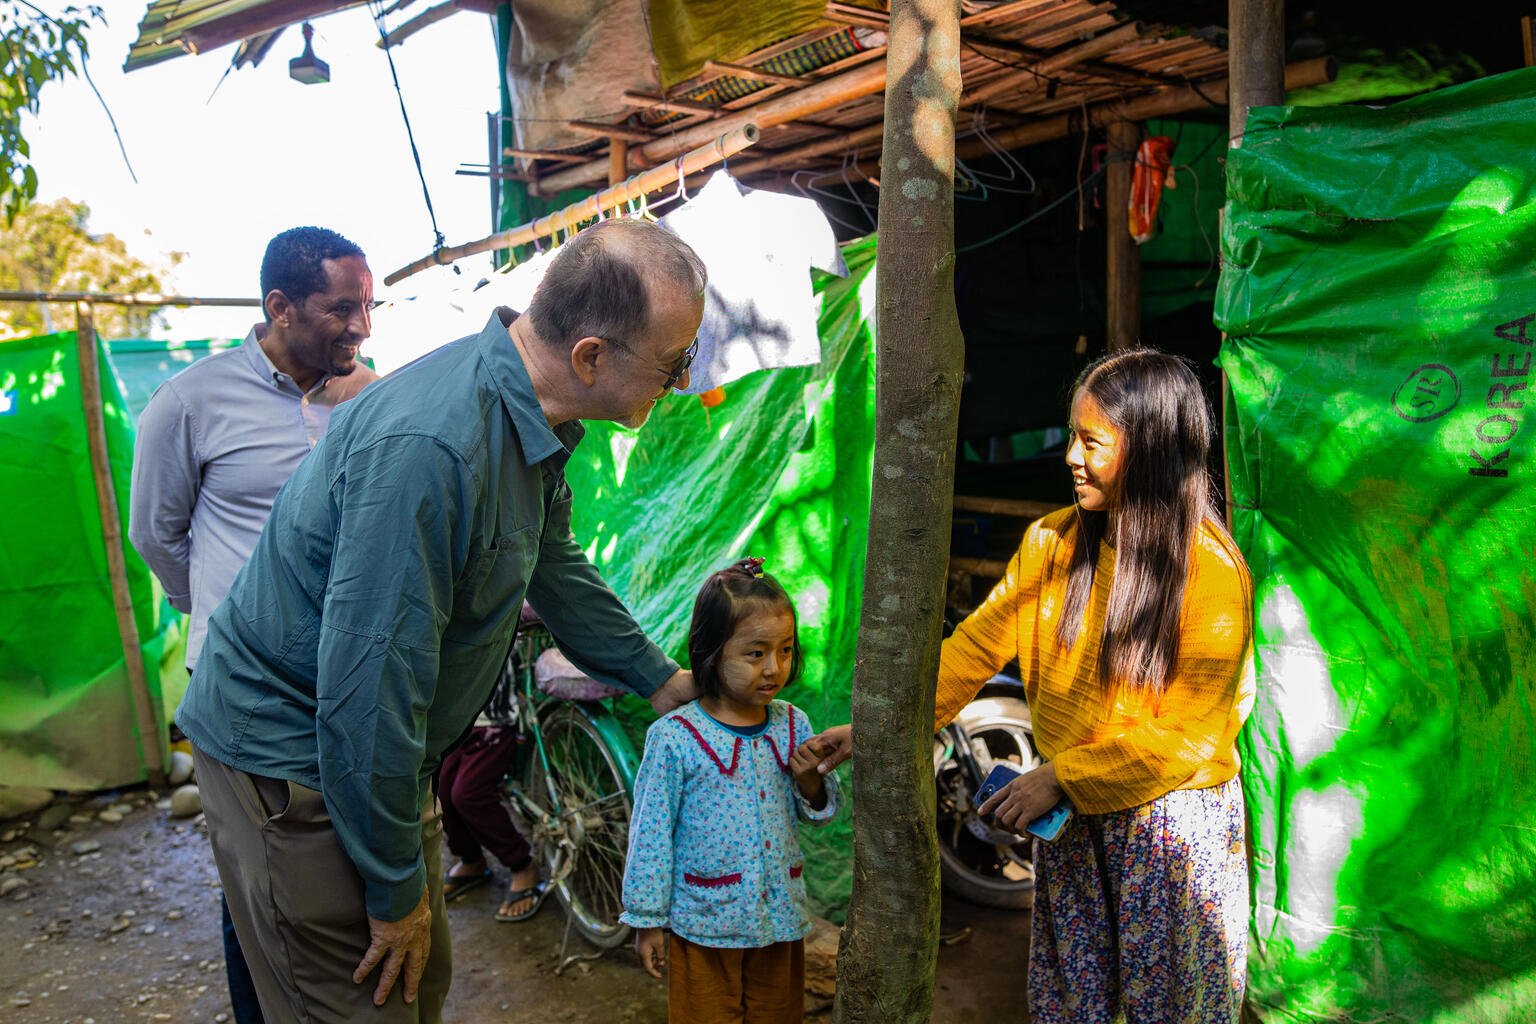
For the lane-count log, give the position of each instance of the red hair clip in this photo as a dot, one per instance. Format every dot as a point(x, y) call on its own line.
point(754, 566)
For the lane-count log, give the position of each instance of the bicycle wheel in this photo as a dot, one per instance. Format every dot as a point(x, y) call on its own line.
point(977, 862)
point(582, 849)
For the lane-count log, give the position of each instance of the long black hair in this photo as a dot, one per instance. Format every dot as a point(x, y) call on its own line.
point(1155, 401)
point(726, 598)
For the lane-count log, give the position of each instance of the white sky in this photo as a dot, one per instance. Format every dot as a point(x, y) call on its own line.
point(218, 178)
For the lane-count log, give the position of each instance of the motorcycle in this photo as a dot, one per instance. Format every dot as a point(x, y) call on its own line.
point(978, 862)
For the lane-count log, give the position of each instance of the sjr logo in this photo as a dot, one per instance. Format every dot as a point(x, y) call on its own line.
point(1430, 392)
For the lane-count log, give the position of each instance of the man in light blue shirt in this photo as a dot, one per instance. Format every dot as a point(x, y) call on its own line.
point(371, 622)
point(217, 441)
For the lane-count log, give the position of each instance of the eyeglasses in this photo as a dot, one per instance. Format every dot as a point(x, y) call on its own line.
point(675, 373)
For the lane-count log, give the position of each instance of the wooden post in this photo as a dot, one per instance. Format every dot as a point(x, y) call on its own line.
point(1255, 60)
point(112, 535)
point(1123, 255)
point(1256, 78)
point(618, 160)
point(886, 957)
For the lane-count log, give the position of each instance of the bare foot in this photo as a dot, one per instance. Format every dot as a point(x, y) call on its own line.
point(527, 878)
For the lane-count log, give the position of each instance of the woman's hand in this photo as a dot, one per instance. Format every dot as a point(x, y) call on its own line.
point(1024, 799)
point(838, 744)
point(651, 946)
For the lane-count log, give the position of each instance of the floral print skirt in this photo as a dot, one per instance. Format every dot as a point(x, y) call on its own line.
point(1141, 916)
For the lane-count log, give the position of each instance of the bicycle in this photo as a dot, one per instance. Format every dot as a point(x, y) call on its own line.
point(570, 788)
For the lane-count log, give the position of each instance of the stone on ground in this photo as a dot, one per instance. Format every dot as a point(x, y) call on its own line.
point(19, 801)
point(186, 802)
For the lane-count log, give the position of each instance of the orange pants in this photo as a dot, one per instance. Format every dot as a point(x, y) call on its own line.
point(765, 985)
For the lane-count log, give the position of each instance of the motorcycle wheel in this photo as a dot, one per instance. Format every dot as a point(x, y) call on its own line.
point(976, 862)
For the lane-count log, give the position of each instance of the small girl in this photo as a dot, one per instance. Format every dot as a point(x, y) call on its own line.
point(712, 849)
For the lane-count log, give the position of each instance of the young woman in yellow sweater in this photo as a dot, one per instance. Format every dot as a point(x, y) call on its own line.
point(1130, 614)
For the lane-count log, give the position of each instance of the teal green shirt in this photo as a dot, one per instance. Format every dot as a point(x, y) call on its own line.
point(372, 620)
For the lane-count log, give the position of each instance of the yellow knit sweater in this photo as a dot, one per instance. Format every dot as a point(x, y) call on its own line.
point(1113, 758)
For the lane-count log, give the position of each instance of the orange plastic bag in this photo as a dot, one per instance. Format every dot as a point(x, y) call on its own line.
point(1153, 173)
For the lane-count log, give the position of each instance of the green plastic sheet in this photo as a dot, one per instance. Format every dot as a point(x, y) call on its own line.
point(1380, 308)
point(780, 470)
point(66, 710)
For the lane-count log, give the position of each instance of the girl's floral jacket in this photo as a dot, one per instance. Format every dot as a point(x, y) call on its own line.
point(712, 848)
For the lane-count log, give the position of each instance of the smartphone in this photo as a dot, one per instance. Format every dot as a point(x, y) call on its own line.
point(1049, 825)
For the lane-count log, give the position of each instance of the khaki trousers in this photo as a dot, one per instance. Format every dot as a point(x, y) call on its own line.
point(705, 985)
point(297, 902)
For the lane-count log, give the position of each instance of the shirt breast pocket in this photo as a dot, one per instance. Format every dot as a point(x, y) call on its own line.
point(488, 598)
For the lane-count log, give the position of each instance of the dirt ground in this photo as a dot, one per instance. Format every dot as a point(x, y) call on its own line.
point(128, 930)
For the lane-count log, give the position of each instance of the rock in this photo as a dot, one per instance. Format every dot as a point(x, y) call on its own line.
point(220, 1018)
point(110, 817)
point(174, 915)
point(11, 884)
point(81, 819)
point(20, 801)
point(20, 1001)
point(84, 846)
point(7, 861)
point(163, 805)
point(9, 835)
point(820, 964)
point(118, 926)
point(180, 769)
point(148, 929)
point(53, 816)
point(186, 802)
point(123, 809)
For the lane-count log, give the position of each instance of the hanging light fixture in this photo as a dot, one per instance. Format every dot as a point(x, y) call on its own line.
point(306, 67)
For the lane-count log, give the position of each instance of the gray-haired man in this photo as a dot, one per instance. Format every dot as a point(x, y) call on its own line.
point(371, 622)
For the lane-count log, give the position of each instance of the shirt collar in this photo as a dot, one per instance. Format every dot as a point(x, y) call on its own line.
point(262, 364)
point(538, 441)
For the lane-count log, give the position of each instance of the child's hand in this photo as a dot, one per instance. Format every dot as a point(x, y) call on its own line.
point(651, 947)
point(803, 765)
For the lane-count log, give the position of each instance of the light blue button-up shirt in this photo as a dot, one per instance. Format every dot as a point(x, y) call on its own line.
point(372, 620)
point(213, 446)
point(713, 853)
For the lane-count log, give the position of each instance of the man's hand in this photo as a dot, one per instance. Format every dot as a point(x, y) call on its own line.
point(675, 692)
point(837, 745)
point(1024, 799)
point(399, 944)
point(651, 947)
point(804, 766)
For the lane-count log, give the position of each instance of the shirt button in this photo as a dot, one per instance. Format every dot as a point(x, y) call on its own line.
point(378, 638)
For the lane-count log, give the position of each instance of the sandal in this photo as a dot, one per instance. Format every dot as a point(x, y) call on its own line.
point(537, 894)
point(455, 886)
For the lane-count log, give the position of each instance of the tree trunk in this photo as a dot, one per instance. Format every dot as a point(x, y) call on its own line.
point(886, 958)
point(1122, 255)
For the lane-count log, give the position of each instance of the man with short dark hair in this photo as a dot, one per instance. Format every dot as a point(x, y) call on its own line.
point(372, 620)
point(217, 441)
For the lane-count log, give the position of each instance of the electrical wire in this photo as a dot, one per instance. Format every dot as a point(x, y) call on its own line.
point(1086, 182)
point(437, 235)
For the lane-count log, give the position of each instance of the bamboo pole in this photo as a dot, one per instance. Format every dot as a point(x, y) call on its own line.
point(1104, 42)
point(1122, 254)
point(112, 537)
point(123, 299)
point(1160, 104)
point(865, 80)
point(1174, 101)
point(569, 217)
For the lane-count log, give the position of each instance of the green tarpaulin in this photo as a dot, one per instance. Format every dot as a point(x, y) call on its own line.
point(66, 710)
point(1380, 304)
point(780, 470)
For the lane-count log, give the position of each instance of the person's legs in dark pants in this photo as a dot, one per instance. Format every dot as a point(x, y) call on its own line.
point(474, 816)
point(242, 990)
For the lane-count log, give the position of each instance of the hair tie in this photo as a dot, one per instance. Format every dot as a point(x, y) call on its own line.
point(753, 565)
